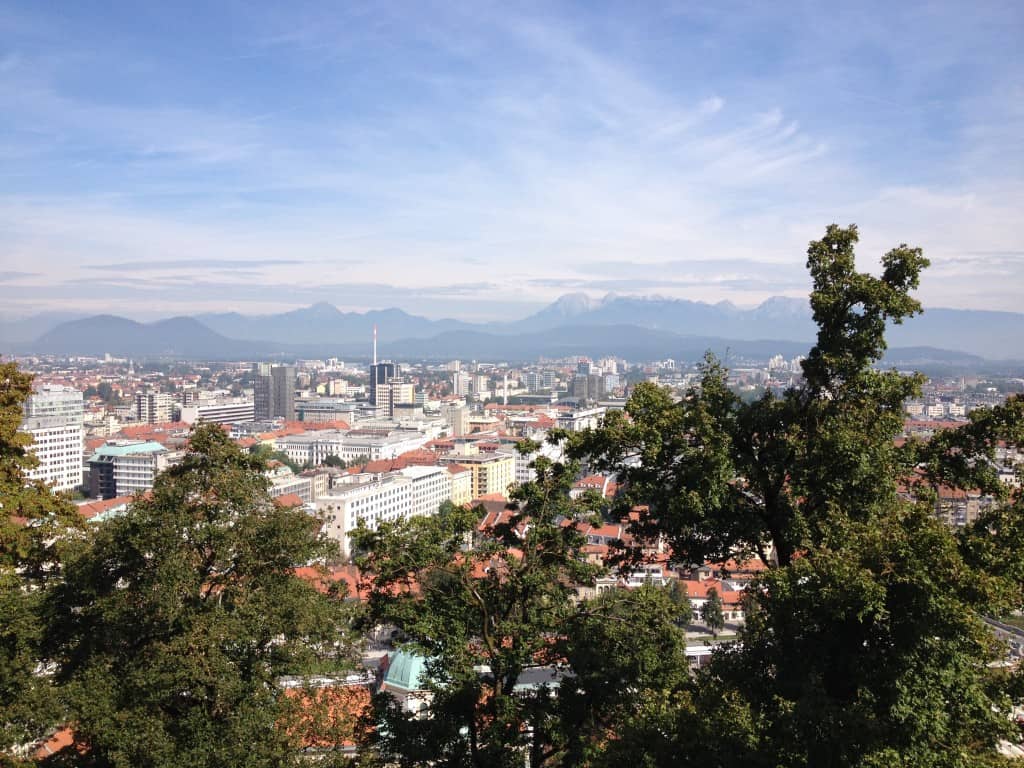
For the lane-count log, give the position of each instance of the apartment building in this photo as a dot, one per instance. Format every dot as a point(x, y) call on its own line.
point(54, 417)
point(127, 467)
point(491, 472)
point(154, 407)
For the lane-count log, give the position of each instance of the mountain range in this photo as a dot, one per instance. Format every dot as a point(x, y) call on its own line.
point(636, 328)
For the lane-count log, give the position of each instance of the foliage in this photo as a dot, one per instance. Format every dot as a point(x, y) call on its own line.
point(722, 477)
point(264, 453)
point(864, 645)
point(34, 525)
point(496, 604)
point(171, 630)
point(711, 612)
point(627, 657)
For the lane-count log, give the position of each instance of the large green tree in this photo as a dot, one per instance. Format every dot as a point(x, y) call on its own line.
point(35, 524)
point(864, 644)
point(722, 477)
point(173, 627)
point(628, 674)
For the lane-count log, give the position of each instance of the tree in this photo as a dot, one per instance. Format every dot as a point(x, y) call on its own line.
point(711, 612)
point(680, 599)
point(171, 630)
point(335, 461)
point(864, 644)
point(265, 453)
point(629, 673)
point(724, 478)
point(497, 605)
point(35, 525)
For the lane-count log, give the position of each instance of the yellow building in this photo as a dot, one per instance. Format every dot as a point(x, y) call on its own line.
point(491, 472)
point(462, 483)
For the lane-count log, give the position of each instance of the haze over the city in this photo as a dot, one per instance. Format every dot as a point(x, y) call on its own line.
point(478, 160)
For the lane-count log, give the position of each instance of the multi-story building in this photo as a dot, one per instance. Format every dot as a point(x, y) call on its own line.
point(380, 375)
point(235, 410)
point(154, 407)
point(54, 416)
point(462, 483)
point(319, 410)
point(283, 377)
point(393, 392)
point(461, 383)
point(274, 391)
point(376, 499)
point(127, 467)
point(456, 415)
point(491, 472)
point(313, 448)
point(577, 421)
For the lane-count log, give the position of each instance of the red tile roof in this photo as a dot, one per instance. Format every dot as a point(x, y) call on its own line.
point(90, 509)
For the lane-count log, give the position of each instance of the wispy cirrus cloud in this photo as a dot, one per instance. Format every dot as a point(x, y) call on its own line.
point(506, 155)
point(203, 264)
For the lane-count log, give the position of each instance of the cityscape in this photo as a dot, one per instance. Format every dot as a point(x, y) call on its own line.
point(522, 386)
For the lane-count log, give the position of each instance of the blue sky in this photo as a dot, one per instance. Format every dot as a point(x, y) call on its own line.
point(478, 160)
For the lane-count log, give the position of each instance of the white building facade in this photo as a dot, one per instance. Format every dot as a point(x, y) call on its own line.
point(54, 416)
point(376, 499)
point(314, 448)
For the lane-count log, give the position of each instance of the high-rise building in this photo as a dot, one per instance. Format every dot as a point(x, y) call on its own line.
point(397, 392)
point(380, 375)
point(54, 416)
point(154, 407)
point(262, 385)
point(460, 383)
point(283, 377)
point(274, 391)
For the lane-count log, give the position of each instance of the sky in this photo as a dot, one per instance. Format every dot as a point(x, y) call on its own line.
point(477, 160)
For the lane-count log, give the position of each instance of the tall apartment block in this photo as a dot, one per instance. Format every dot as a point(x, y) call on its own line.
point(154, 407)
point(274, 391)
point(54, 416)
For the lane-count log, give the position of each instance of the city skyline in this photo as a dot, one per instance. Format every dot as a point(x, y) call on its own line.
point(478, 162)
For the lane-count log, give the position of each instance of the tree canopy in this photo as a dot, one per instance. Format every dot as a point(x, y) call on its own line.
point(865, 642)
point(171, 630)
point(35, 526)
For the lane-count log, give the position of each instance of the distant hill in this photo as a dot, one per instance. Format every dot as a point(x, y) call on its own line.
point(182, 337)
point(991, 335)
point(325, 323)
point(630, 327)
point(629, 341)
point(14, 330)
point(778, 318)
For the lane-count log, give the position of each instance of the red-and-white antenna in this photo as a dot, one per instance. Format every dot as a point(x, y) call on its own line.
point(374, 343)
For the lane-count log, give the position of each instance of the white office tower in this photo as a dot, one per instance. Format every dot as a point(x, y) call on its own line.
point(54, 416)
